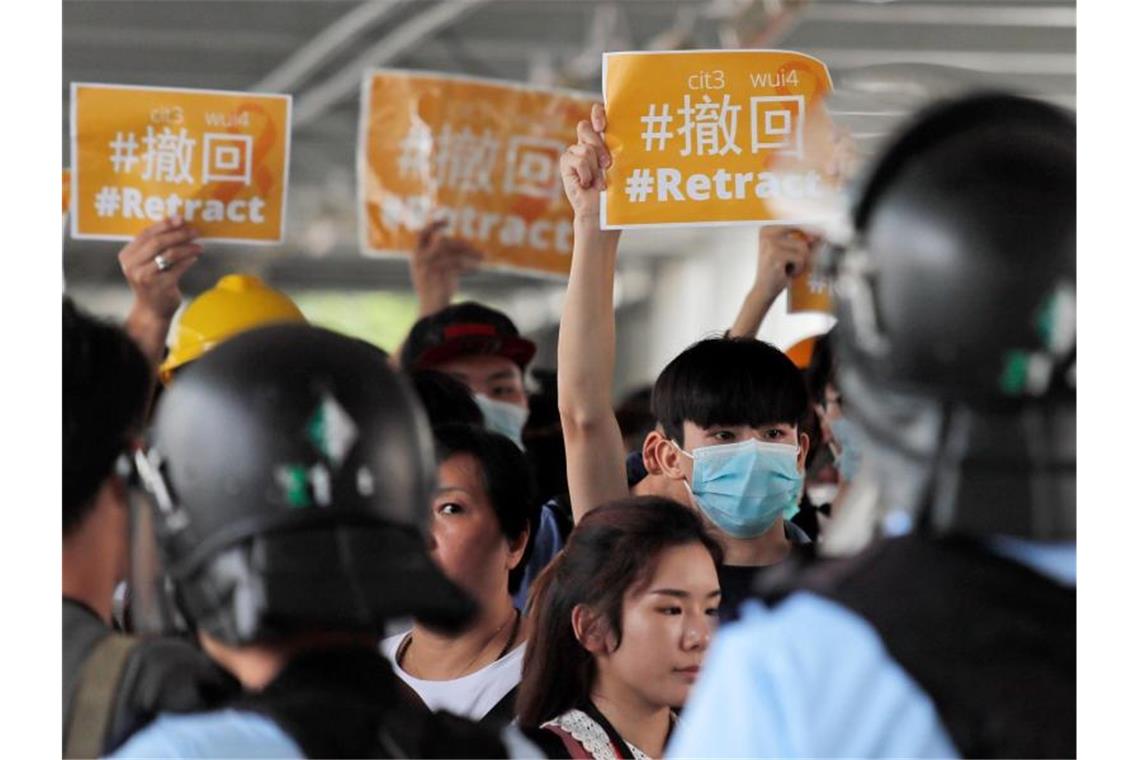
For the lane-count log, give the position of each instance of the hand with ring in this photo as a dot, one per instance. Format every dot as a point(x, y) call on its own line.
point(153, 264)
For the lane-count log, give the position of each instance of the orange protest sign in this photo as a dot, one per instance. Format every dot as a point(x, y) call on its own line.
point(800, 353)
point(220, 160)
point(694, 135)
point(66, 191)
point(807, 292)
point(480, 153)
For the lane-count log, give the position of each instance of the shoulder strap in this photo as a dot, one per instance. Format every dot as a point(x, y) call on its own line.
point(503, 712)
point(94, 700)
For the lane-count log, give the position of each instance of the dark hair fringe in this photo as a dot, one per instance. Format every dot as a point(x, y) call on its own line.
point(729, 381)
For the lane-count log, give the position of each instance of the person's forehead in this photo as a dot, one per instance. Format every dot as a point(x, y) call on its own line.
point(461, 470)
point(690, 425)
point(481, 367)
point(687, 567)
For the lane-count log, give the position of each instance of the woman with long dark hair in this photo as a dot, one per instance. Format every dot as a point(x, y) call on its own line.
point(620, 623)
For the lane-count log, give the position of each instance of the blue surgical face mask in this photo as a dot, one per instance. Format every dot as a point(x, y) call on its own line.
point(850, 447)
point(503, 418)
point(745, 487)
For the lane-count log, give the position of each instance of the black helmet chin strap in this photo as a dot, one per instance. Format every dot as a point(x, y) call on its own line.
point(934, 509)
point(977, 487)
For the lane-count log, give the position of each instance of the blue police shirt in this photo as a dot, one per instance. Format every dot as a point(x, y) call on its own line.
point(810, 678)
point(224, 733)
point(236, 734)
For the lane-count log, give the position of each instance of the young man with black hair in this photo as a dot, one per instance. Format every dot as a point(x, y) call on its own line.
point(112, 684)
point(729, 408)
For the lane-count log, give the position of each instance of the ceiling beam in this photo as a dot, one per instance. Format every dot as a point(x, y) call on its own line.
point(996, 61)
point(313, 103)
point(295, 69)
point(942, 15)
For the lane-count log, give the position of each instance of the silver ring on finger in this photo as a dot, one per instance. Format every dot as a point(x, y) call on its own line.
point(161, 262)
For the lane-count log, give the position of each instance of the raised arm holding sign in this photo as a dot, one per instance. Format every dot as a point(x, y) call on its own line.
point(785, 253)
point(595, 454)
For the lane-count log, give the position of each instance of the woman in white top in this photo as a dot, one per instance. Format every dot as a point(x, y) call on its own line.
point(483, 515)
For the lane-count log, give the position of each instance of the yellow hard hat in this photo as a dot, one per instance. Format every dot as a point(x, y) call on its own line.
point(238, 302)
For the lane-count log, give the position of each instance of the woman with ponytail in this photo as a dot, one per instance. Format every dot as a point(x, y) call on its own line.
point(620, 623)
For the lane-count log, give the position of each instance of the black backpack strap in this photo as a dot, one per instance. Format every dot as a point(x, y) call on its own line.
point(503, 712)
point(94, 701)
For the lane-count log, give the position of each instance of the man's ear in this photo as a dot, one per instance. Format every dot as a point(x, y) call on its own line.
point(801, 458)
point(516, 548)
point(669, 459)
point(589, 629)
point(653, 439)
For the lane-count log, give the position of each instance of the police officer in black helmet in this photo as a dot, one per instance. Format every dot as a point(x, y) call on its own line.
point(285, 484)
point(953, 633)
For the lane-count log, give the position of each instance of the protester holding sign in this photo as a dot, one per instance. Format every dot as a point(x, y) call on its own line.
point(481, 348)
point(153, 264)
point(783, 253)
point(729, 407)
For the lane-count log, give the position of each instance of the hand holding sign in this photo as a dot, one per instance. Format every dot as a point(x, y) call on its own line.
point(155, 261)
point(153, 264)
point(583, 166)
point(785, 253)
point(436, 265)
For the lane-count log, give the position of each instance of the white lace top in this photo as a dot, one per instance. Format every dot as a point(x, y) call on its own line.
point(590, 734)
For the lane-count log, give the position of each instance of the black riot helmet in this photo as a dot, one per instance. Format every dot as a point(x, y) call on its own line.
point(956, 306)
point(289, 474)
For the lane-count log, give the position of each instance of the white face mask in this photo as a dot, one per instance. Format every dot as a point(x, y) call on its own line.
point(503, 418)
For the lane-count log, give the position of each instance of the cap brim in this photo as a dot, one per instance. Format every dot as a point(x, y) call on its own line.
point(516, 349)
